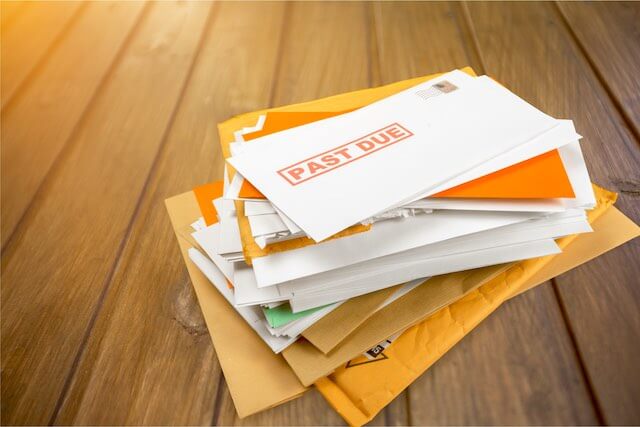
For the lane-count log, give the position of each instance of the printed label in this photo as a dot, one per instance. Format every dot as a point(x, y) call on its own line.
point(344, 154)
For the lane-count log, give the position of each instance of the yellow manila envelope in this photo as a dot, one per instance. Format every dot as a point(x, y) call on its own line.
point(333, 328)
point(358, 391)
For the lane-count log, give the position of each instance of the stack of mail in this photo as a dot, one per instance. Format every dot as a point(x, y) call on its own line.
point(320, 209)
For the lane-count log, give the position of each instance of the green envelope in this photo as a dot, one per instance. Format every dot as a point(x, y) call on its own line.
point(282, 314)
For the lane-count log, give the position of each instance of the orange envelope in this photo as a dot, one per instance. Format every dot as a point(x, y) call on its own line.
point(540, 177)
point(205, 194)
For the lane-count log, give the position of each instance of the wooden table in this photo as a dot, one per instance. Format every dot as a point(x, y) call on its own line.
point(109, 108)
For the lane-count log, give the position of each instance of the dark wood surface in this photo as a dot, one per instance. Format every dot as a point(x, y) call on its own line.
point(108, 108)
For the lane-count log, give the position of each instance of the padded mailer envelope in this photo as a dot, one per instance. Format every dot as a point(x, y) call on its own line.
point(359, 391)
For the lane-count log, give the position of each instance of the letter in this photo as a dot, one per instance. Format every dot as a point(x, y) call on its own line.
point(385, 138)
point(396, 132)
point(343, 152)
point(329, 160)
point(313, 167)
point(365, 145)
point(295, 173)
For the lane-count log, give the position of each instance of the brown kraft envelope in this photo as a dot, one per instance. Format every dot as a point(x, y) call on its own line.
point(333, 328)
point(310, 364)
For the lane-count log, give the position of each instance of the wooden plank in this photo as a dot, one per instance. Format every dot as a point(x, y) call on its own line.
point(462, 388)
point(150, 342)
point(608, 35)
point(325, 51)
point(602, 301)
point(26, 41)
point(57, 95)
point(430, 40)
point(56, 268)
point(533, 54)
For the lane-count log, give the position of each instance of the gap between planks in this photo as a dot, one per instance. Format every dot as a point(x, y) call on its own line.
point(118, 259)
point(66, 145)
point(46, 53)
point(598, 73)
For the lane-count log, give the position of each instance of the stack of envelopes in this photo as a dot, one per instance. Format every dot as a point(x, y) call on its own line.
point(345, 225)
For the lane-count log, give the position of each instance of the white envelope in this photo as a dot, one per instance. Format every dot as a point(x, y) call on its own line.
point(258, 207)
point(427, 142)
point(384, 238)
point(267, 224)
point(247, 291)
point(209, 240)
point(430, 267)
point(559, 137)
point(576, 169)
point(508, 235)
point(230, 244)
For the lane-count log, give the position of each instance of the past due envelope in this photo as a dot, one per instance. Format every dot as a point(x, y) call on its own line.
point(541, 177)
point(321, 108)
point(333, 173)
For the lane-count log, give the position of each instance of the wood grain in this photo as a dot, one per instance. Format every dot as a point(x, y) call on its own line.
point(601, 301)
point(26, 41)
point(609, 36)
point(64, 251)
point(319, 60)
point(467, 384)
point(528, 48)
point(430, 40)
point(165, 362)
point(58, 95)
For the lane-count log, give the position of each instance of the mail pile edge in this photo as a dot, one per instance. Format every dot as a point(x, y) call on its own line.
point(345, 224)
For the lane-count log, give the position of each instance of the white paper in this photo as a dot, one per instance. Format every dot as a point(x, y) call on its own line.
point(431, 267)
point(343, 280)
point(209, 240)
point(267, 224)
point(384, 238)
